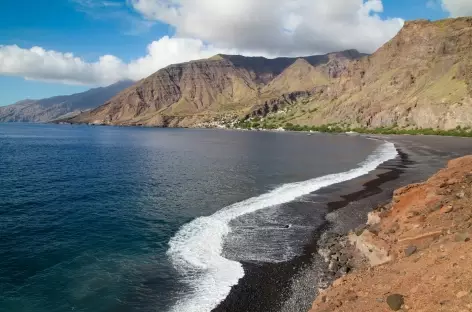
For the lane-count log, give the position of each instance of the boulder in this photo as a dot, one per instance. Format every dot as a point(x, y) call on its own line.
point(395, 302)
point(462, 237)
point(447, 209)
point(410, 250)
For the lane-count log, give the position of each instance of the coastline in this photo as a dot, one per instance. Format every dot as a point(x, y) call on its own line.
point(327, 129)
point(292, 286)
point(301, 281)
point(260, 289)
point(414, 250)
point(463, 132)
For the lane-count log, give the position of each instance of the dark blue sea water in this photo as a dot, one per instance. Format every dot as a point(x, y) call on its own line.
point(103, 219)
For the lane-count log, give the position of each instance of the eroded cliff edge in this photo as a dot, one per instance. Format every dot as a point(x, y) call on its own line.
point(416, 250)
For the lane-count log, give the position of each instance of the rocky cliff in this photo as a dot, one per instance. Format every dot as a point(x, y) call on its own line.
point(191, 93)
point(56, 107)
point(421, 78)
point(415, 250)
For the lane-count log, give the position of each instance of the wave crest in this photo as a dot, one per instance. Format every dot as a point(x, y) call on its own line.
point(196, 249)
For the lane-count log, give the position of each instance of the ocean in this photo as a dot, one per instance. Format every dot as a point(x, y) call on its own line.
point(140, 219)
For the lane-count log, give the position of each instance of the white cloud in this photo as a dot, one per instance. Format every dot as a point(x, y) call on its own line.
point(207, 27)
point(39, 64)
point(458, 7)
point(285, 27)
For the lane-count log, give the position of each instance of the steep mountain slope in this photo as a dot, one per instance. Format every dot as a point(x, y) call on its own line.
point(194, 92)
point(263, 70)
point(421, 78)
point(51, 108)
point(299, 76)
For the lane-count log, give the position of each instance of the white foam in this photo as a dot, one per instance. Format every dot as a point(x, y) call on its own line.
point(196, 250)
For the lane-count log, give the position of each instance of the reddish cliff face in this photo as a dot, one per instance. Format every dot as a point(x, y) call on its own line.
point(189, 93)
point(417, 250)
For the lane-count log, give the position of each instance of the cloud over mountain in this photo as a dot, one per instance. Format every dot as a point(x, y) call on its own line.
point(458, 7)
point(207, 27)
point(47, 65)
point(283, 27)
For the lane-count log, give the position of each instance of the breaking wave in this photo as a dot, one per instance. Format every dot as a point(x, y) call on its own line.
point(196, 250)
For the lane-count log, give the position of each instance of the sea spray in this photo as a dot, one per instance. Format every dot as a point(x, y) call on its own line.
point(196, 250)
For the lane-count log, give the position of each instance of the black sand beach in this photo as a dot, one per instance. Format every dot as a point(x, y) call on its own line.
point(292, 286)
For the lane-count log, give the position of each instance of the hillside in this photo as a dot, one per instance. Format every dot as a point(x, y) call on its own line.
point(421, 78)
point(52, 108)
point(191, 93)
point(299, 76)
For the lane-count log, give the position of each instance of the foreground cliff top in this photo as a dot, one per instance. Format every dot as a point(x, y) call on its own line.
point(423, 241)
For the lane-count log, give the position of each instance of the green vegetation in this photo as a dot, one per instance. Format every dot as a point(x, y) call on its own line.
point(325, 128)
point(270, 124)
point(459, 132)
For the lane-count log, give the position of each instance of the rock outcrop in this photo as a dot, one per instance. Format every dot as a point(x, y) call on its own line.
point(49, 109)
point(426, 247)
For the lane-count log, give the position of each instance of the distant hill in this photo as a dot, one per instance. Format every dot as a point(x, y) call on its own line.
point(190, 93)
point(60, 106)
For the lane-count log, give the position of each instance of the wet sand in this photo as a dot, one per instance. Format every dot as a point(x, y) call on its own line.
point(292, 286)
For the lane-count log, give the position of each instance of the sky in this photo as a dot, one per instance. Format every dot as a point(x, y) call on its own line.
point(57, 47)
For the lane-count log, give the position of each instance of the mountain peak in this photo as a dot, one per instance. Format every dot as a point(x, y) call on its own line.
point(301, 62)
point(451, 24)
point(217, 57)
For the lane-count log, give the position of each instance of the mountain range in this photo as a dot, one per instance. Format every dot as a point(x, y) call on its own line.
point(422, 78)
point(194, 92)
point(63, 106)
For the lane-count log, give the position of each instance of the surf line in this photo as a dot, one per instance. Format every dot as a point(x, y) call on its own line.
point(196, 249)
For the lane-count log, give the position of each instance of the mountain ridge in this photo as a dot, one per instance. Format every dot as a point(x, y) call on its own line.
point(421, 78)
point(49, 109)
point(189, 93)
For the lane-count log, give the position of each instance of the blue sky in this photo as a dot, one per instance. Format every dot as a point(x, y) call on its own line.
point(130, 39)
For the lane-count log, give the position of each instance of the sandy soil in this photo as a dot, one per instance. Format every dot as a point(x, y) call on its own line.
point(417, 247)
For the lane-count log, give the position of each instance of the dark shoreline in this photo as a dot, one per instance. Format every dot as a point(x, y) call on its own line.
point(265, 287)
point(292, 286)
